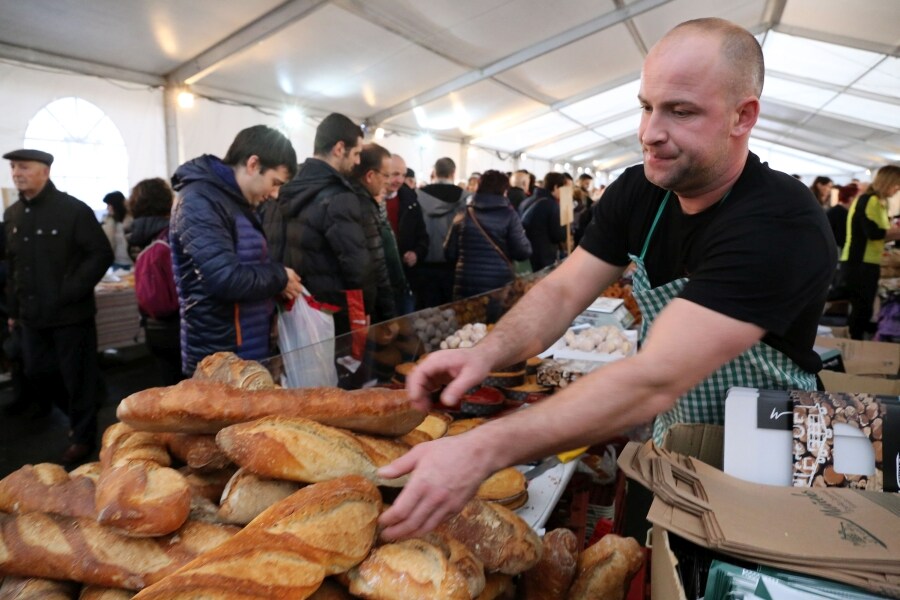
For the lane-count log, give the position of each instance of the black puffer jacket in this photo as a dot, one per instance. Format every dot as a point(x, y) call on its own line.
point(479, 267)
point(377, 291)
point(324, 241)
point(540, 217)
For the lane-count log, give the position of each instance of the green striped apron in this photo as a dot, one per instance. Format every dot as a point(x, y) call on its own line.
point(761, 366)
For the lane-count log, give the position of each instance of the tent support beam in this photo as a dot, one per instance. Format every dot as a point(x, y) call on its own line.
point(55, 61)
point(518, 58)
point(209, 60)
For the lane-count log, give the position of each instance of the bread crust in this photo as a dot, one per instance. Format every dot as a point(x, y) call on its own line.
point(298, 449)
point(288, 550)
point(194, 406)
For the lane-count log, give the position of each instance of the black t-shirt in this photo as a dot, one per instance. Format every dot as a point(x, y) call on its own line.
point(764, 255)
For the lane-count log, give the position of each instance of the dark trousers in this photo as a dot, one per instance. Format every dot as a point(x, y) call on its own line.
point(435, 284)
point(862, 286)
point(69, 351)
point(163, 339)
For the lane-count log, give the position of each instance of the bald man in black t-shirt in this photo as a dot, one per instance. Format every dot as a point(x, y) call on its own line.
point(733, 262)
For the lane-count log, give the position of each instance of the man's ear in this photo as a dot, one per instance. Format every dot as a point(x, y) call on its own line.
point(253, 165)
point(745, 116)
point(338, 150)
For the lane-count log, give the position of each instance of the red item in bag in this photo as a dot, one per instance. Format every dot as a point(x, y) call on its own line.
point(359, 322)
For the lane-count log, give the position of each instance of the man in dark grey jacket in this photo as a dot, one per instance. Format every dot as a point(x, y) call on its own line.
point(440, 201)
point(56, 253)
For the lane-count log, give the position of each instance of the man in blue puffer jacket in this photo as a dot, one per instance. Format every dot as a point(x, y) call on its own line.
point(226, 282)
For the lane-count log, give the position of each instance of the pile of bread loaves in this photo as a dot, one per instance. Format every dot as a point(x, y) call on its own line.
point(278, 498)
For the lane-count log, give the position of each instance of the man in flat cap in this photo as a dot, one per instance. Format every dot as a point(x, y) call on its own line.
point(57, 252)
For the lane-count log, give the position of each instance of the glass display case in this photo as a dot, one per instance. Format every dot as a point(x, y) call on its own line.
point(370, 356)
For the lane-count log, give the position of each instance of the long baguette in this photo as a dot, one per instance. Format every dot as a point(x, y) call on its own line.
point(121, 443)
point(43, 545)
point(302, 450)
point(204, 407)
point(47, 488)
point(288, 550)
point(141, 498)
point(137, 492)
point(247, 495)
point(93, 592)
point(32, 588)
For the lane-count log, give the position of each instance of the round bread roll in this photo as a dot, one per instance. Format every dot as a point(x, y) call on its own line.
point(505, 484)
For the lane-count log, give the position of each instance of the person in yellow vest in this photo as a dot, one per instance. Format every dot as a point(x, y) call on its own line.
point(868, 229)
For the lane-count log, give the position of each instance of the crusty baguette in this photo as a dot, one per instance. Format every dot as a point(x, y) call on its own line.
point(247, 494)
point(209, 484)
point(141, 498)
point(331, 590)
point(552, 577)
point(196, 451)
point(407, 569)
point(44, 545)
point(33, 588)
point(496, 535)
point(606, 568)
point(230, 369)
point(121, 443)
point(415, 437)
point(93, 592)
point(499, 587)
point(287, 551)
point(204, 407)
point(302, 450)
point(465, 561)
point(47, 488)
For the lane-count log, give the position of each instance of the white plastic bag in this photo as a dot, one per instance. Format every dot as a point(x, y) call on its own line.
point(306, 341)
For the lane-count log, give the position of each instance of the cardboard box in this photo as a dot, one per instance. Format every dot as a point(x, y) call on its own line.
point(859, 384)
point(865, 358)
point(665, 584)
point(697, 440)
point(702, 441)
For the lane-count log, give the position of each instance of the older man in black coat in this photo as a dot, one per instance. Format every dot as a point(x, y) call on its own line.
point(56, 253)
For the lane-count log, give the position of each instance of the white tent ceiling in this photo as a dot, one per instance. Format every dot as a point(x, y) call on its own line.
point(556, 80)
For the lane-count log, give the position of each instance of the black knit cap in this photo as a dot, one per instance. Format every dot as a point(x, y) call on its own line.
point(35, 155)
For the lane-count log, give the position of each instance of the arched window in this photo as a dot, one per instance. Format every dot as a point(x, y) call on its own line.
point(90, 158)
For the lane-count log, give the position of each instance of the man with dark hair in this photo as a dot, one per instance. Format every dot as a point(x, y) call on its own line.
point(733, 262)
point(440, 201)
point(320, 220)
point(584, 182)
point(405, 217)
point(369, 179)
point(56, 253)
point(227, 284)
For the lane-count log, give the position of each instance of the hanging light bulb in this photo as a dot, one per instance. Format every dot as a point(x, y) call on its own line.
point(185, 99)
